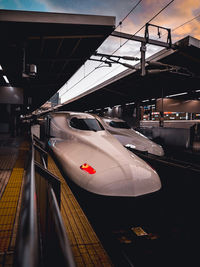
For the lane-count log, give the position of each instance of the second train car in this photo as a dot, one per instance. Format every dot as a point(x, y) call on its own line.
point(129, 137)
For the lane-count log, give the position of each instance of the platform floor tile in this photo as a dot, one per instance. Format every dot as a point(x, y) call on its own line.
point(11, 182)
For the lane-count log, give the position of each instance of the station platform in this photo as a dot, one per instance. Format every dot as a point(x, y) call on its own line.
point(85, 245)
point(12, 163)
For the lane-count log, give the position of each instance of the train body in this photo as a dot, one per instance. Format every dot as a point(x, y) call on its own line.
point(96, 161)
point(131, 138)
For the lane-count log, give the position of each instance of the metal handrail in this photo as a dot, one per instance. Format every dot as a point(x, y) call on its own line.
point(27, 249)
point(31, 248)
point(66, 257)
point(61, 249)
point(37, 140)
point(52, 179)
point(56, 243)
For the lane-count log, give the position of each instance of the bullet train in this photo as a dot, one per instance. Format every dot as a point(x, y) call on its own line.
point(96, 161)
point(129, 137)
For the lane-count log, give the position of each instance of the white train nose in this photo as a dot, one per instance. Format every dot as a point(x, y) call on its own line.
point(156, 150)
point(126, 181)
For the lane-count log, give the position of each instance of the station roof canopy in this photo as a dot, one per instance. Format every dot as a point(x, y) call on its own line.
point(58, 44)
point(129, 86)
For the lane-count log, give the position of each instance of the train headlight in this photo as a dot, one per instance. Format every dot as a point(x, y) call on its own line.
point(87, 168)
point(130, 145)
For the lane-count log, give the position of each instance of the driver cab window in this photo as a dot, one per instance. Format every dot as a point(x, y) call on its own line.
point(119, 124)
point(86, 124)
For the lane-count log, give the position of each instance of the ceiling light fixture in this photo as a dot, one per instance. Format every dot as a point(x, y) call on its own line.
point(6, 79)
point(185, 93)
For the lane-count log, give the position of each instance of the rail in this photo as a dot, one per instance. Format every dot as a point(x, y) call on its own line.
point(167, 161)
point(42, 239)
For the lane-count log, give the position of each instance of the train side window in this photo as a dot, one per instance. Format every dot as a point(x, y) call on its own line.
point(119, 124)
point(86, 124)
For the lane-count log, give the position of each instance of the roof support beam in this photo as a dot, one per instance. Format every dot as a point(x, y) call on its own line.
point(74, 49)
point(141, 39)
point(66, 37)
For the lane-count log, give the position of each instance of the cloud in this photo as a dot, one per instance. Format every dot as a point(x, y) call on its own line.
point(193, 27)
point(117, 8)
point(109, 7)
point(174, 15)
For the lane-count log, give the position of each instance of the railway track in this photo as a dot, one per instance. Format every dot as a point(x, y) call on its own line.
point(177, 159)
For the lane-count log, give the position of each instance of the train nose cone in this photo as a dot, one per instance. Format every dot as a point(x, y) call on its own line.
point(126, 181)
point(156, 150)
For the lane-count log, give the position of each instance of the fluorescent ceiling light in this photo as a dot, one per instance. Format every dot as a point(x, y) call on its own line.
point(197, 91)
point(145, 100)
point(6, 79)
point(185, 93)
point(132, 103)
point(1, 68)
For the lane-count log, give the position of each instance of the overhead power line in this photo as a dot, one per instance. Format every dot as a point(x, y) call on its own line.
point(124, 42)
point(145, 24)
point(186, 22)
point(85, 76)
point(129, 13)
point(183, 24)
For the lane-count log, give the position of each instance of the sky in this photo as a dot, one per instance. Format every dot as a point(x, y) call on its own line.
point(179, 16)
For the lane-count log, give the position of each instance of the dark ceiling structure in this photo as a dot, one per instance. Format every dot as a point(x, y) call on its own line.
point(54, 45)
point(178, 72)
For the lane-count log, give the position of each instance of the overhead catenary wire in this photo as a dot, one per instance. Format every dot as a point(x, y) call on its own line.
point(186, 22)
point(181, 25)
point(121, 21)
point(103, 77)
point(158, 13)
point(85, 76)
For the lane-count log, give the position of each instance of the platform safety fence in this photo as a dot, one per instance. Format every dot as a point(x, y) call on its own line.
point(41, 239)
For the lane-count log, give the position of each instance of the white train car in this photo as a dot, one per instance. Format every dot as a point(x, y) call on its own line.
point(96, 161)
point(129, 137)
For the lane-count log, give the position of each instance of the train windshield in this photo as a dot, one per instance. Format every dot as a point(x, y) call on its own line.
point(119, 124)
point(86, 124)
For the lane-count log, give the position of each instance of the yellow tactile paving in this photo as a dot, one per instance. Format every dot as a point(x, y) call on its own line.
point(8, 207)
point(10, 196)
point(4, 176)
point(86, 247)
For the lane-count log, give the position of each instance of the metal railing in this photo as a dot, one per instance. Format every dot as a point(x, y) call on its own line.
point(28, 249)
point(42, 239)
